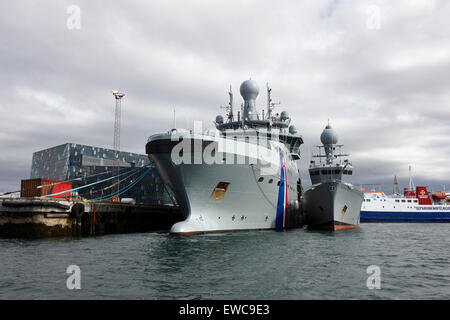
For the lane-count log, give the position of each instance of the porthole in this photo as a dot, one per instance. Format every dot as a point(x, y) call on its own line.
point(271, 180)
point(261, 179)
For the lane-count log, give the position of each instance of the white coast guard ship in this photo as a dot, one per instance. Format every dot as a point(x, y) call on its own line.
point(241, 176)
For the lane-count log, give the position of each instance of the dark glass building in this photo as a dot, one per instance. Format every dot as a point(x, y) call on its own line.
point(101, 174)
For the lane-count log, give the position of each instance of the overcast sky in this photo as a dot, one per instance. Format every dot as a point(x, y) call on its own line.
point(379, 70)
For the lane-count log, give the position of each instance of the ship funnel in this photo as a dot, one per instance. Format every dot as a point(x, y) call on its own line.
point(249, 91)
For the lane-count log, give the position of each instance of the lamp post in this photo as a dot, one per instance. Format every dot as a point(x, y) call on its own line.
point(118, 97)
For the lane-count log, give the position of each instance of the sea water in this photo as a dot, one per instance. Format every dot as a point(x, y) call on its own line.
point(377, 261)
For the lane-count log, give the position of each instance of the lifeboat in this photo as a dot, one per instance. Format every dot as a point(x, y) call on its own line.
point(439, 195)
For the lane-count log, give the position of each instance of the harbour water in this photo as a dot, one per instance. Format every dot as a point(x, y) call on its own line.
point(297, 264)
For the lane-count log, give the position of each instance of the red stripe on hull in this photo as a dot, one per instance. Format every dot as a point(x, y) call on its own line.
point(194, 233)
point(332, 226)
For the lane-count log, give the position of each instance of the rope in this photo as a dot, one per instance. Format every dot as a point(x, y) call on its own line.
point(80, 178)
point(114, 194)
point(91, 184)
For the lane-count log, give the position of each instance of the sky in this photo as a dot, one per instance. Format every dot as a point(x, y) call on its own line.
point(378, 70)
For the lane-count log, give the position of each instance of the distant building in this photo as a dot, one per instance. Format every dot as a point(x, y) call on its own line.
point(84, 165)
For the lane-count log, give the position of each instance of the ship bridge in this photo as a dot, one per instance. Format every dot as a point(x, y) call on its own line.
point(249, 123)
point(328, 169)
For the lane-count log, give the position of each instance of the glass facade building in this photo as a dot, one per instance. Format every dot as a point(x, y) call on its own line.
point(102, 173)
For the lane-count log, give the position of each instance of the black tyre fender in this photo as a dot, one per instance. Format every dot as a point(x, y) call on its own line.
point(77, 211)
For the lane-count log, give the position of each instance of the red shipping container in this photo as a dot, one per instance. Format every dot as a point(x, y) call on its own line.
point(42, 187)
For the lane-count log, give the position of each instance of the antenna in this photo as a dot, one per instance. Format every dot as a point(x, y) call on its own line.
point(269, 101)
point(243, 117)
point(270, 104)
point(230, 105)
point(411, 183)
point(174, 119)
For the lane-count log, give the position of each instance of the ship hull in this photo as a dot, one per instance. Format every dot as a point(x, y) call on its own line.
point(222, 197)
point(421, 216)
point(332, 206)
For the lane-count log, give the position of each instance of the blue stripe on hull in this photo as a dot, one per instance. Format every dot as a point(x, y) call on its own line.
point(280, 205)
point(411, 216)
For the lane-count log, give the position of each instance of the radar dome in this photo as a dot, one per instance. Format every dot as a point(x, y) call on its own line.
point(329, 136)
point(284, 115)
point(219, 119)
point(292, 130)
point(249, 90)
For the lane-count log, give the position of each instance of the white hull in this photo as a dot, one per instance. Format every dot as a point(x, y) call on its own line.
point(252, 200)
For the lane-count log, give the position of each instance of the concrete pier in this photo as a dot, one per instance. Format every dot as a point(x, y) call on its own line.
point(40, 218)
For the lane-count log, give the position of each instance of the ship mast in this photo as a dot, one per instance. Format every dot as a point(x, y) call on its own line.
point(270, 104)
point(269, 101)
point(411, 184)
point(230, 106)
point(329, 141)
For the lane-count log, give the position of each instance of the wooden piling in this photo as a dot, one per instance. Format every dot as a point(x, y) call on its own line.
point(28, 218)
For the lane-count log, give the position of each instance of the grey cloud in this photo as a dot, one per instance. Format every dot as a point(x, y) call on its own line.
point(381, 88)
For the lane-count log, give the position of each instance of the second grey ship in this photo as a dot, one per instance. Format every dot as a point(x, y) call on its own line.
point(332, 202)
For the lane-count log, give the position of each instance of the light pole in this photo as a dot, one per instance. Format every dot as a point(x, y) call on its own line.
point(118, 97)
